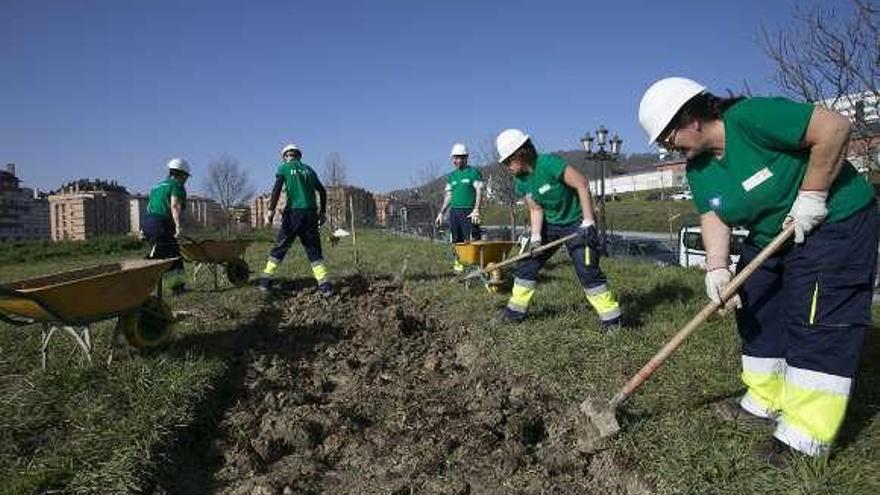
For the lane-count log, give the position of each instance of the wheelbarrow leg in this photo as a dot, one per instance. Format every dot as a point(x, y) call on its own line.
point(82, 342)
point(47, 335)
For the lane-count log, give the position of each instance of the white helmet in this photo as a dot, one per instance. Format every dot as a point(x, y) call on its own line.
point(290, 147)
point(509, 141)
point(663, 100)
point(458, 149)
point(179, 164)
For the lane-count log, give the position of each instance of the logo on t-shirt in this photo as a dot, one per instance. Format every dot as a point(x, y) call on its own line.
point(715, 203)
point(544, 188)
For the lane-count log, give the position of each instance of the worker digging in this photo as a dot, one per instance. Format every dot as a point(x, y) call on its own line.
point(301, 217)
point(559, 203)
point(463, 197)
point(765, 163)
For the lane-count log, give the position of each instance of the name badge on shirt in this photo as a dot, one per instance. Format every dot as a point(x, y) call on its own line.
point(544, 188)
point(757, 179)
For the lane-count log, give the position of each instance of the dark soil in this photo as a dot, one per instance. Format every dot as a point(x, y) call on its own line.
point(366, 392)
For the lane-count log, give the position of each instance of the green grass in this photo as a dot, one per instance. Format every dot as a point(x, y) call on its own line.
point(88, 429)
point(30, 251)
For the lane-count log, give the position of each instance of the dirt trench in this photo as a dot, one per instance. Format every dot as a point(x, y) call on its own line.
point(366, 392)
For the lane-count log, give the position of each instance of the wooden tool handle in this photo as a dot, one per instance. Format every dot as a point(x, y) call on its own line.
point(729, 291)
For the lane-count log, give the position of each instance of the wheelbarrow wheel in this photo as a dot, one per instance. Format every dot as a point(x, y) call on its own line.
point(150, 325)
point(238, 272)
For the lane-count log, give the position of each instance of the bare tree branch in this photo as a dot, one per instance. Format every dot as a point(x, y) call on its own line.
point(227, 182)
point(334, 172)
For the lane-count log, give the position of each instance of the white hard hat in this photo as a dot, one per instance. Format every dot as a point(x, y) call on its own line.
point(509, 141)
point(290, 147)
point(663, 100)
point(458, 149)
point(179, 164)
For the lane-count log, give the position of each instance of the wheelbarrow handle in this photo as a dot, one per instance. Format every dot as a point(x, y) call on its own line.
point(729, 291)
point(509, 261)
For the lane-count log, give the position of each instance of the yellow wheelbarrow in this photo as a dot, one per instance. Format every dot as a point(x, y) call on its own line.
point(477, 255)
point(72, 301)
point(209, 254)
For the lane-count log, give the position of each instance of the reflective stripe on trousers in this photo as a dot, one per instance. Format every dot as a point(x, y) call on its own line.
point(813, 407)
point(603, 301)
point(521, 296)
point(319, 270)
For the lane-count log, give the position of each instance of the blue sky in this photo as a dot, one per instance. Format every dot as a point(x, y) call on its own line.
point(115, 88)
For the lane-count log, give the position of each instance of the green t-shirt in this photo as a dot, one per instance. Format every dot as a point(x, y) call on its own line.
point(546, 187)
point(300, 182)
point(460, 183)
point(160, 197)
point(757, 180)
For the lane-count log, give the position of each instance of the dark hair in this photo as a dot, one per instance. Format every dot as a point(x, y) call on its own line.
point(703, 107)
point(525, 153)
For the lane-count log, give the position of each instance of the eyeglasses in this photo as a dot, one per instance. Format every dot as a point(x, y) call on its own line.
point(669, 141)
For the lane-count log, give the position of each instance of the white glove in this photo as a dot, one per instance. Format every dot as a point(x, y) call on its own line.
point(807, 212)
point(475, 216)
point(439, 220)
point(716, 280)
point(270, 216)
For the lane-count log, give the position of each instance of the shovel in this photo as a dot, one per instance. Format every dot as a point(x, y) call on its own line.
point(509, 261)
point(603, 414)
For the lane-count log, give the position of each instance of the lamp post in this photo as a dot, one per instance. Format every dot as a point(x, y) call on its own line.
point(603, 157)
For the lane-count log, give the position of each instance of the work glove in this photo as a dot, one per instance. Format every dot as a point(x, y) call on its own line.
point(590, 233)
point(439, 220)
point(269, 217)
point(322, 218)
point(474, 216)
point(533, 244)
point(807, 212)
point(716, 280)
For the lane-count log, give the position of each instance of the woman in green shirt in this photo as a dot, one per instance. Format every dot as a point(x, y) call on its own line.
point(761, 163)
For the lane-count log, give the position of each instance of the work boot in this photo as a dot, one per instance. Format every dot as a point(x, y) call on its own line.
point(612, 326)
point(264, 284)
point(773, 452)
point(326, 288)
point(730, 410)
point(512, 316)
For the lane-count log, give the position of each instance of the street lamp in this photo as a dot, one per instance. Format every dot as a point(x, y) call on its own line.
point(603, 157)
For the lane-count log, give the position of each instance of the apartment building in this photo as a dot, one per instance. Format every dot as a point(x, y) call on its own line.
point(341, 199)
point(24, 212)
point(83, 209)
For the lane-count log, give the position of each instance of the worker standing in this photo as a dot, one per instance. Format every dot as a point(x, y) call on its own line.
point(301, 217)
point(162, 226)
point(559, 203)
point(802, 316)
point(463, 197)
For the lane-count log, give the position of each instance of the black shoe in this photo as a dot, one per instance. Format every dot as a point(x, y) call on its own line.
point(326, 288)
point(178, 290)
point(611, 326)
point(773, 452)
point(730, 410)
point(264, 284)
point(512, 316)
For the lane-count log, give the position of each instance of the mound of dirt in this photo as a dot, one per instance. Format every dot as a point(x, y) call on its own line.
point(365, 392)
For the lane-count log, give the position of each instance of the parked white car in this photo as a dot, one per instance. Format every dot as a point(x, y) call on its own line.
point(682, 196)
point(691, 251)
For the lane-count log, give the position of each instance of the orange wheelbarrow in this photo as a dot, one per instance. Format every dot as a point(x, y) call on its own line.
point(477, 255)
point(72, 301)
point(209, 254)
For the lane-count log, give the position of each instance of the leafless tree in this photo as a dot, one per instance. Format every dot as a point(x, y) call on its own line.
point(829, 58)
point(334, 173)
point(227, 183)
